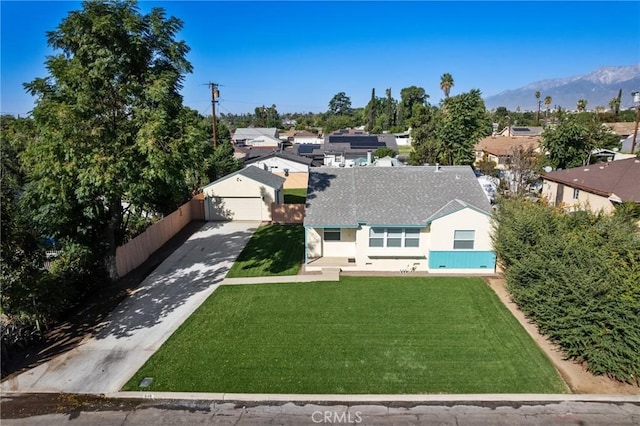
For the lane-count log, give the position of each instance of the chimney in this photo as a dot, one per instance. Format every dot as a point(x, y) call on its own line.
point(368, 158)
point(437, 167)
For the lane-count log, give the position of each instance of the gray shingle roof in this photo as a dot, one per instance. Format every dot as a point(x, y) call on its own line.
point(390, 195)
point(248, 133)
point(285, 155)
point(257, 174)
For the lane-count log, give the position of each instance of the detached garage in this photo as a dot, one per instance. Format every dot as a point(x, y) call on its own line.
point(244, 195)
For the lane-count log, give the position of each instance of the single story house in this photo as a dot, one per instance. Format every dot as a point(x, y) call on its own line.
point(522, 131)
point(599, 186)
point(263, 136)
point(350, 150)
point(243, 195)
point(500, 149)
point(294, 168)
point(427, 218)
point(301, 136)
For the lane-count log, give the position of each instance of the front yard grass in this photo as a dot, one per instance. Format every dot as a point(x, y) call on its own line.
point(272, 250)
point(295, 195)
point(391, 335)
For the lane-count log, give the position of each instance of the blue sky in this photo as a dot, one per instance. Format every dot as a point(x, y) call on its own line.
point(297, 54)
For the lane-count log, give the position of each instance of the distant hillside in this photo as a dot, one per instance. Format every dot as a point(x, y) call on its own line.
point(598, 88)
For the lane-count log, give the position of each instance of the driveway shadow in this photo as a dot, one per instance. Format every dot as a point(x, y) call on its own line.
point(199, 263)
point(105, 311)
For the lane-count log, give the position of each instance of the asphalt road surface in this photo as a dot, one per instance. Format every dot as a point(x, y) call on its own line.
point(62, 409)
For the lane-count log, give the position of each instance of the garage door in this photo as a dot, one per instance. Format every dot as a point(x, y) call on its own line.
point(232, 208)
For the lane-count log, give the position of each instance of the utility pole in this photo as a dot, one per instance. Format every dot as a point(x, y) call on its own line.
point(215, 94)
point(636, 99)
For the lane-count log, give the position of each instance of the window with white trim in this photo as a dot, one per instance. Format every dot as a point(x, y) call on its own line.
point(394, 237)
point(332, 234)
point(463, 240)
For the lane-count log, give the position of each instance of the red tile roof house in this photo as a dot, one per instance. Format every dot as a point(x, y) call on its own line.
point(599, 187)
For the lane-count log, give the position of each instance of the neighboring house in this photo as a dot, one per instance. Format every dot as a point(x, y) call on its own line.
point(599, 186)
point(314, 152)
point(353, 150)
point(522, 131)
point(500, 149)
point(294, 168)
point(623, 130)
point(301, 137)
point(387, 162)
point(627, 144)
point(245, 135)
point(426, 218)
point(403, 139)
point(243, 195)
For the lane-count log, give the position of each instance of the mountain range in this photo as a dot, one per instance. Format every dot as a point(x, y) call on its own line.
point(597, 87)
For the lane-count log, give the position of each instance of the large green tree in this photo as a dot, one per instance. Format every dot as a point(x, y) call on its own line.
point(460, 123)
point(108, 134)
point(340, 104)
point(570, 142)
point(409, 96)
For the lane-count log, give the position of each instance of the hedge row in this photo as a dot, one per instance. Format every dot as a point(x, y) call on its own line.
point(577, 276)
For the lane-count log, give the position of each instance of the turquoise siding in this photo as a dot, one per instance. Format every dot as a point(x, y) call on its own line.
point(459, 259)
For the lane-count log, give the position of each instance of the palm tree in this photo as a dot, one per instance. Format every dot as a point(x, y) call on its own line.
point(547, 103)
point(446, 83)
point(582, 105)
point(538, 100)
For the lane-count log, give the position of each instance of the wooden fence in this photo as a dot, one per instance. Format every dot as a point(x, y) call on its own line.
point(287, 213)
point(135, 252)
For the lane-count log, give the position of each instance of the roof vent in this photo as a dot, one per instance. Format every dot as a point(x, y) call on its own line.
point(586, 170)
point(437, 169)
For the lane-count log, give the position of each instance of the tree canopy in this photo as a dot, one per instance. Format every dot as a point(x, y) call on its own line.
point(106, 115)
point(340, 104)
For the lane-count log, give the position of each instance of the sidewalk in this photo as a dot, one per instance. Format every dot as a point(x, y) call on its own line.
point(328, 274)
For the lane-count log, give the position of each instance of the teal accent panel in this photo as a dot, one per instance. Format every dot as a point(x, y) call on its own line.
point(461, 259)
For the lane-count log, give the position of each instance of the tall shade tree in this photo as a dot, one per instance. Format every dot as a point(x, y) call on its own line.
point(340, 104)
point(108, 134)
point(446, 83)
point(410, 96)
point(461, 122)
point(538, 102)
point(570, 142)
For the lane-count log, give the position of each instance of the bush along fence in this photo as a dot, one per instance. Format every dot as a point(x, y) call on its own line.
point(135, 252)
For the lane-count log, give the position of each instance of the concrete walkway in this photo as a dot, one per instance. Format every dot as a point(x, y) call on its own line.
point(146, 319)
point(327, 274)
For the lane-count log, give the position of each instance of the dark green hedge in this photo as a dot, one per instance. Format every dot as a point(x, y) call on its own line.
point(577, 275)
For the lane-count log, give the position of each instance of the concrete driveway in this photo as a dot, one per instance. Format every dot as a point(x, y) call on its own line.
point(146, 319)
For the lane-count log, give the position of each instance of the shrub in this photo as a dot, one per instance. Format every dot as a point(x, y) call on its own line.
point(577, 275)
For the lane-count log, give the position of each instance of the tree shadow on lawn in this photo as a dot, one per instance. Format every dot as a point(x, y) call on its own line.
point(274, 249)
point(93, 312)
point(199, 263)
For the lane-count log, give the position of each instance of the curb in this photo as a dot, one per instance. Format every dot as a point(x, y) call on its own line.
point(364, 398)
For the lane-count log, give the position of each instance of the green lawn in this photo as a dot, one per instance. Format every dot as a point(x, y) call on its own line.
point(295, 196)
point(360, 335)
point(404, 149)
point(272, 250)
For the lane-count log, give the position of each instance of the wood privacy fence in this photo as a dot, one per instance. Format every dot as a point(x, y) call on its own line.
point(287, 213)
point(136, 251)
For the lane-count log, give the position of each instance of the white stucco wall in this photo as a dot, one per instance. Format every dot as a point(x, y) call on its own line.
point(585, 199)
point(241, 186)
point(314, 243)
point(442, 230)
point(346, 247)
